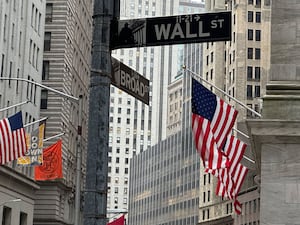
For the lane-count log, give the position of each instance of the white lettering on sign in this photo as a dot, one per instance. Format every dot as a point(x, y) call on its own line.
point(214, 23)
point(164, 31)
point(133, 84)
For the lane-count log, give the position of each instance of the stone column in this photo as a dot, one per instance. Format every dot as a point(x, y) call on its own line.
point(276, 138)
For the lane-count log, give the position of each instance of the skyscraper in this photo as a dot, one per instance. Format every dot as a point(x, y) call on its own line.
point(134, 126)
point(66, 67)
point(21, 49)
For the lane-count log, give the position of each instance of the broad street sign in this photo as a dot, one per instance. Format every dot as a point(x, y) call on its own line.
point(130, 81)
point(181, 29)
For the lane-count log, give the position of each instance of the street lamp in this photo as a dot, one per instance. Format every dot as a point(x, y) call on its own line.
point(79, 132)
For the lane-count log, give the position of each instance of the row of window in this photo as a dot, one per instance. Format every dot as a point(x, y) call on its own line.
point(117, 170)
point(117, 160)
point(251, 16)
point(254, 53)
point(250, 91)
point(7, 217)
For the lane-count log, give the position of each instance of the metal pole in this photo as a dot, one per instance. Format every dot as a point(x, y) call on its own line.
point(99, 95)
point(42, 86)
point(12, 106)
point(78, 164)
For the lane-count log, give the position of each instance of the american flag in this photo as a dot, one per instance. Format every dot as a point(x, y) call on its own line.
point(12, 138)
point(231, 179)
point(212, 121)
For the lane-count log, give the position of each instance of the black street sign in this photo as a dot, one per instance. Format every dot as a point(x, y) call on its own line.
point(181, 29)
point(130, 81)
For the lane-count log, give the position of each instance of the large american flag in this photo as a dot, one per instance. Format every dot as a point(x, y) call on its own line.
point(212, 121)
point(12, 138)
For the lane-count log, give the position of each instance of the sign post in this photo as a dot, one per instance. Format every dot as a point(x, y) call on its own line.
point(171, 30)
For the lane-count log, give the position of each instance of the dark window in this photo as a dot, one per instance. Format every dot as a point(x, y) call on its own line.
point(250, 16)
point(249, 92)
point(47, 41)
point(249, 72)
point(257, 53)
point(257, 35)
point(45, 72)
point(257, 91)
point(257, 73)
point(250, 53)
point(23, 218)
point(44, 99)
point(6, 216)
point(258, 3)
point(250, 34)
point(250, 2)
point(2, 65)
point(258, 17)
point(49, 8)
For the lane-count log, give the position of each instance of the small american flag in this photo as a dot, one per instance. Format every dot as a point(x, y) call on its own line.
point(212, 121)
point(231, 179)
point(12, 138)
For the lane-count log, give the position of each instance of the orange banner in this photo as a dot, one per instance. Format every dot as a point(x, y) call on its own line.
point(52, 163)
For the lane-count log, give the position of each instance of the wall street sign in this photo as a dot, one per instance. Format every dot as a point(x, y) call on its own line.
point(181, 29)
point(130, 81)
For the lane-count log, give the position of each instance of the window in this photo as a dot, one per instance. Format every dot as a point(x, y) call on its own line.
point(49, 9)
point(116, 190)
point(47, 41)
point(126, 171)
point(2, 65)
point(257, 53)
point(258, 17)
point(249, 92)
point(258, 3)
point(6, 216)
point(250, 34)
point(45, 72)
point(117, 170)
point(257, 35)
point(257, 73)
point(250, 53)
point(257, 91)
point(44, 99)
point(249, 72)
point(23, 218)
point(5, 27)
point(250, 16)
point(250, 2)
point(117, 160)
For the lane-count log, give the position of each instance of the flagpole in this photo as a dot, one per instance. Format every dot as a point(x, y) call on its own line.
point(12, 106)
point(42, 86)
point(52, 137)
point(34, 122)
point(219, 89)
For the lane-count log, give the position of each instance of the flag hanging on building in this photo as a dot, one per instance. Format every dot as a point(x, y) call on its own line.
point(12, 138)
point(52, 163)
point(34, 155)
point(119, 221)
point(212, 121)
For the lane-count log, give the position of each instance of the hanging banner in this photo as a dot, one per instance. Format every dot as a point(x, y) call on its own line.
point(52, 163)
point(34, 155)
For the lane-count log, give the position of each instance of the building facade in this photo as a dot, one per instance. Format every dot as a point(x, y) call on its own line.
point(21, 51)
point(66, 67)
point(239, 67)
